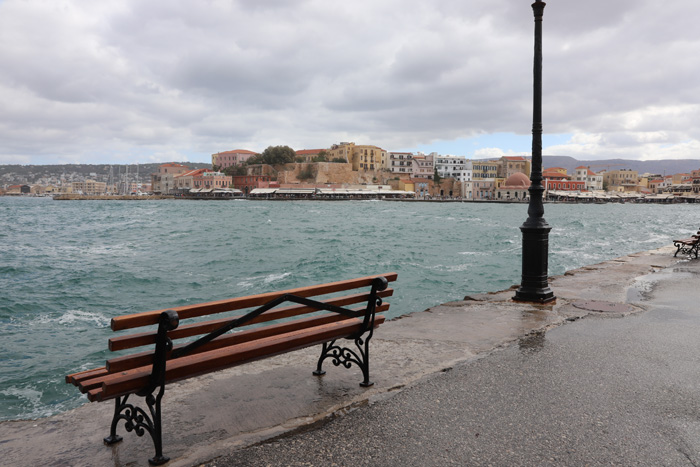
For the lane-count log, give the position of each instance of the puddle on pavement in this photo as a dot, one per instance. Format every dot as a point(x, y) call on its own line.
point(643, 286)
point(533, 342)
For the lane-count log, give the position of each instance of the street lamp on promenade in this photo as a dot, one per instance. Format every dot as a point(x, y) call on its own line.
point(534, 286)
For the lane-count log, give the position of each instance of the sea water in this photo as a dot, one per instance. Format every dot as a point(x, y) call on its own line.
point(68, 267)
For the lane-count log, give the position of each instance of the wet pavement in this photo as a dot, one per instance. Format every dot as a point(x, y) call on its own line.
point(606, 375)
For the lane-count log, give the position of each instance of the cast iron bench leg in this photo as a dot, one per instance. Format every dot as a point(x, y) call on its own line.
point(137, 420)
point(346, 357)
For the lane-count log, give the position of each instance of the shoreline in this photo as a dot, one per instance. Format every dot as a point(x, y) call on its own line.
point(71, 197)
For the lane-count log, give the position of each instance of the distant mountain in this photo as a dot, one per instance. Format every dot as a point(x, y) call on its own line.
point(663, 167)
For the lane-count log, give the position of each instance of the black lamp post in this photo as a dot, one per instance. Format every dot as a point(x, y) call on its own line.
point(534, 286)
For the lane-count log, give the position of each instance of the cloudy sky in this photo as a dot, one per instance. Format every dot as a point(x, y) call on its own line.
point(177, 80)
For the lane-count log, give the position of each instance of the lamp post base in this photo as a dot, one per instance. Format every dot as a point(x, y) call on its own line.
point(534, 295)
point(534, 286)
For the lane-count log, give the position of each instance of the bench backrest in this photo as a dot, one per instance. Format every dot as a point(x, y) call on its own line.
point(244, 304)
point(214, 347)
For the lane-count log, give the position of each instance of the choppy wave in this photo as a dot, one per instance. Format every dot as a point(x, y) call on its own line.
point(68, 267)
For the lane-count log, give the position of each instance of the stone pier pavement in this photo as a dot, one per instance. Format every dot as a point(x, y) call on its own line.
point(484, 381)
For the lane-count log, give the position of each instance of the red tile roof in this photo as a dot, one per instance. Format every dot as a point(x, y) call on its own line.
point(192, 173)
point(308, 152)
point(238, 151)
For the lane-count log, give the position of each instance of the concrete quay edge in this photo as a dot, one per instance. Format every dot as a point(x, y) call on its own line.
point(216, 414)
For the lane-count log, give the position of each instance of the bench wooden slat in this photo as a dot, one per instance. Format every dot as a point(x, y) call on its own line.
point(128, 362)
point(146, 338)
point(87, 374)
point(221, 306)
point(129, 381)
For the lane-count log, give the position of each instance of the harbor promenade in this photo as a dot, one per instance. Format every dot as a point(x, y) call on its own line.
point(606, 375)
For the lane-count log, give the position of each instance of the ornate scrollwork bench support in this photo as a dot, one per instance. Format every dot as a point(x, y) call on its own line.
point(139, 421)
point(687, 246)
point(345, 356)
point(136, 419)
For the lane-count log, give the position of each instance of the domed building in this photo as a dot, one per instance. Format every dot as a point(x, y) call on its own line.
point(514, 188)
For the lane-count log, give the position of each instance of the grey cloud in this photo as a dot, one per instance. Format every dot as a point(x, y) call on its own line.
point(171, 76)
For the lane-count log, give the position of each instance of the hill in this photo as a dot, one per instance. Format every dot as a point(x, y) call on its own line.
point(11, 174)
point(662, 167)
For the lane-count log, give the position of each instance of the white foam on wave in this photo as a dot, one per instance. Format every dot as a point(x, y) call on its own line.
point(276, 277)
point(72, 317)
point(29, 400)
point(269, 279)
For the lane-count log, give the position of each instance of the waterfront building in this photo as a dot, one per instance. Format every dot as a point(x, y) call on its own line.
point(210, 179)
point(455, 167)
point(695, 177)
point(513, 164)
point(657, 185)
point(400, 162)
point(564, 184)
point(163, 181)
point(247, 183)
point(185, 181)
point(18, 190)
point(513, 188)
point(485, 170)
point(468, 190)
point(594, 182)
point(89, 187)
point(555, 172)
point(362, 157)
point(310, 154)
point(677, 179)
point(622, 180)
point(420, 186)
point(483, 189)
point(342, 150)
point(423, 166)
point(222, 160)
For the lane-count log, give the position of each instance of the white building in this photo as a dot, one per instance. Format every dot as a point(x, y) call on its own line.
point(594, 182)
point(455, 167)
point(423, 165)
point(400, 162)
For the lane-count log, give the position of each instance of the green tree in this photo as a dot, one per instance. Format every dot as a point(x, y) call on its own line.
point(256, 159)
point(276, 155)
point(437, 179)
point(339, 160)
point(235, 170)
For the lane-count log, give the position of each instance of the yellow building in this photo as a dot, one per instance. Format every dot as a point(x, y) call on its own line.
point(362, 157)
point(407, 185)
point(89, 187)
point(485, 170)
point(514, 164)
point(621, 180)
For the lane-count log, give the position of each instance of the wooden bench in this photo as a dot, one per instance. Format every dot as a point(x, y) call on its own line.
point(688, 245)
point(264, 331)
